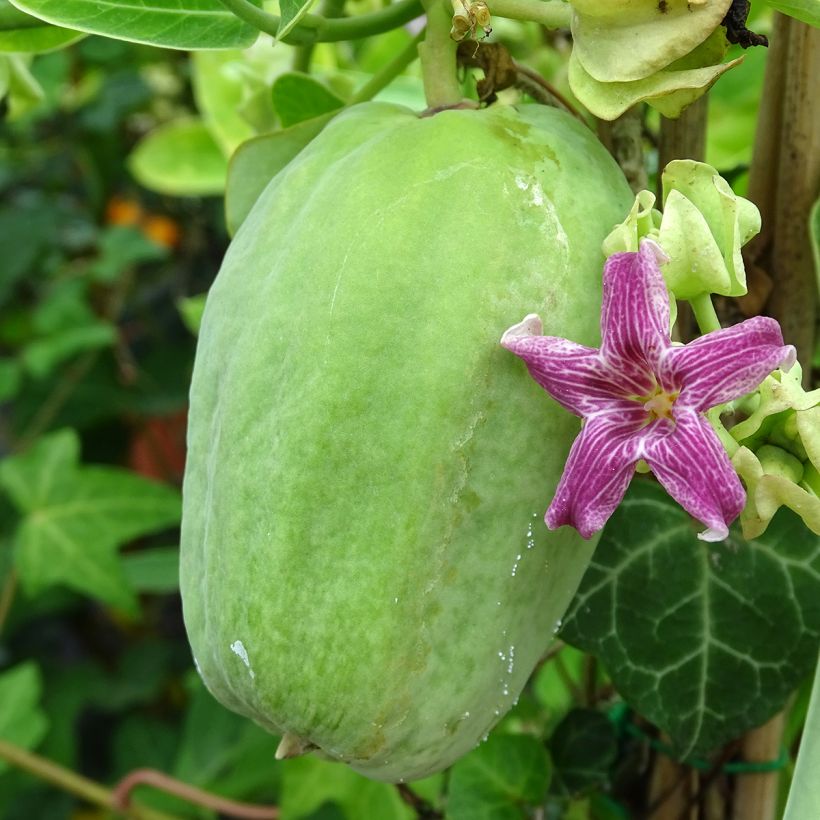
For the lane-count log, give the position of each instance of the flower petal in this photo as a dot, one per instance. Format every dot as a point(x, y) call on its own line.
point(635, 311)
point(577, 377)
point(598, 470)
point(694, 468)
point(725, 364)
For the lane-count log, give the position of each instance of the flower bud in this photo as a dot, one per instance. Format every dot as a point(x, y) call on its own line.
point(776, 461)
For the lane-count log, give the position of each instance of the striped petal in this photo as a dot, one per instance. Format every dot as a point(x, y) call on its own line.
point(692, 465)
point(725, 364)
point(577, 377)
point(598, 470)
point(635, 312)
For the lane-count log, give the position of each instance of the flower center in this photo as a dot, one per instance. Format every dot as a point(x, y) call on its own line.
point(659, 404)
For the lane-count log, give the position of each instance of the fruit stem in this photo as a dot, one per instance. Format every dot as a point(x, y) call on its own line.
point(438, 57)
point(314, 28)
point(388, 72)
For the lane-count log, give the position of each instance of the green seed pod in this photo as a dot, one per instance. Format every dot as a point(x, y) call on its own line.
point(365, 566)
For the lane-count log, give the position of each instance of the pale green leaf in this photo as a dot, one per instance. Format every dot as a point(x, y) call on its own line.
point(298, 97)
point(180, 158)
point(182, 24)
point(258, 161)
point(292, 12)
point(191, 309)
point(75, 518)
point(220, 83)
point(22, 721)
point(20, 33)
point(499, 779)
point(705, 640)
point(804, 796)
point(806, 10)
point(24, 91)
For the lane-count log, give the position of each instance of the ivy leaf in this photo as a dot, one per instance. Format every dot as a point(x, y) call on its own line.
point(22, 721)
point(153, 570)
point(705, 640)
point(499, 779)
point(75, 517)
point(292, 12)
point(222, 751)
point(309, 783)
point(182, 24)
point(583, 747)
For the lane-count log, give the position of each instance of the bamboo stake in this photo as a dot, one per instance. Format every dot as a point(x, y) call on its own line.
point(756, 792)
point(785, 179)
point(623, 139)
point(683, 138)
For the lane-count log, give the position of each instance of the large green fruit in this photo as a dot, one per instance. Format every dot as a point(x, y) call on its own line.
point(365, 564)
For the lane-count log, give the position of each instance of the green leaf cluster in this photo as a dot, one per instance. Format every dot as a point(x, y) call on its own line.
point(74, 518)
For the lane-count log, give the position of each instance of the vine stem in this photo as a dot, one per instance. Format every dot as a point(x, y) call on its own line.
point(88, 790)
point(438, 57)
point(388, 72)
point(191, 794)
point(119, 798)
point(705, 314)
point(313, 28)
point(549, 13)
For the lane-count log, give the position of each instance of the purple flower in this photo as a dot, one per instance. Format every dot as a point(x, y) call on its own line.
point(641, 397)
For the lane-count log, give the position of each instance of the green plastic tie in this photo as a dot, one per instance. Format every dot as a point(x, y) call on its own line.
point(619, 715)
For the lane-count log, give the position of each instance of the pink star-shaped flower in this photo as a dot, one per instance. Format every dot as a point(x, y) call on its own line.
point(641, 397)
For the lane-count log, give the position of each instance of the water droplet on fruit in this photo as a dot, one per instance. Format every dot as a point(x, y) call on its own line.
point(238, 648)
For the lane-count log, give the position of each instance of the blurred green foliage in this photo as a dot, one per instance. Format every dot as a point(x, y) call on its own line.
point(111, 157)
